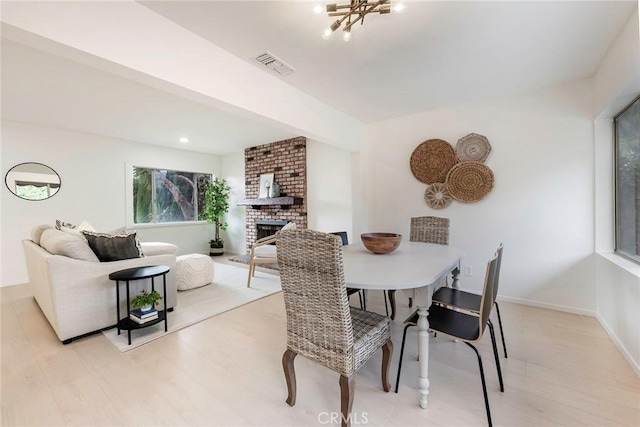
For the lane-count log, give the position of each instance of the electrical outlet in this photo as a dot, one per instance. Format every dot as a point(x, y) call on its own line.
point(468, 270)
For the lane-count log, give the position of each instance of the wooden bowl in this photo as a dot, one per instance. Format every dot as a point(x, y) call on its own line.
point(381, 243)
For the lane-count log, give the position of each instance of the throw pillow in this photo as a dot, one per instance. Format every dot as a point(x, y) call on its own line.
point(114, 247)
point(36, 233)
point(57, 242)
point(289, 226)
point(75, 230)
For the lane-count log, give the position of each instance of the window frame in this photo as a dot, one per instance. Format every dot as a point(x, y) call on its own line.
point(616, 249)
point(129, 202)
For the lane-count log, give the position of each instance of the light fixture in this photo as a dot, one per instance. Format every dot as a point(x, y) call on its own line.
point(184, 139)
point(354, 12)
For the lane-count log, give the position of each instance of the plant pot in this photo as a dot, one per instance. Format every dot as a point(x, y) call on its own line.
point(216, 251)
point(146, 308)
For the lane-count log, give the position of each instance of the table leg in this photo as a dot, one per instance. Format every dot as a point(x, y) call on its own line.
point(118, 306)
point(455, 274)
point(423, 345)
point(164, 295)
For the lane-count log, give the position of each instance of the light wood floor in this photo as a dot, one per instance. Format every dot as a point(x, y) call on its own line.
point(562, 370)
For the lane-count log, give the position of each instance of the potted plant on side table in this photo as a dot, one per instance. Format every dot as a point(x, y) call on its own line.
point(216, 205)
point(145, 301)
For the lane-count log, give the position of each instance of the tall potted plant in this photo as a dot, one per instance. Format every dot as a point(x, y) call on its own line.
point(216, 205)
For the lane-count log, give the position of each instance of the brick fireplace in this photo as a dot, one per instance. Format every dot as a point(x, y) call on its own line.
point(287, 160)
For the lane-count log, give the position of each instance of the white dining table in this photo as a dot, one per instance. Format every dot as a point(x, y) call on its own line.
point(414, 267)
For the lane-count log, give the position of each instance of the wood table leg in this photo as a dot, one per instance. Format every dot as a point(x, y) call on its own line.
point(423, 345)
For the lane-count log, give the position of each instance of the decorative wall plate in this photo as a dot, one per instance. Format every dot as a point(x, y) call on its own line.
point(437, 196)
point(470, 181)
point(473, 148)
point(431, 161)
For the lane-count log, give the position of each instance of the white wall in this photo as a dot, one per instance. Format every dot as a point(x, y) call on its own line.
point(617, 82)
point(235, 237)
point(329, 200)
point(92, 171)
point(541, 207)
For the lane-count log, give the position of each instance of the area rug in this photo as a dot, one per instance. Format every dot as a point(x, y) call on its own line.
point(244, 259)
point(228, 291)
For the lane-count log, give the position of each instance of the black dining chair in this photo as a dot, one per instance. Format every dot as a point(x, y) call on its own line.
point(471, 302)
point(467, 328)
point(350, 291)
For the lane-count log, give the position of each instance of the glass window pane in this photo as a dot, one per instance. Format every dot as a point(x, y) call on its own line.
point(161, 195)
point(627, 197)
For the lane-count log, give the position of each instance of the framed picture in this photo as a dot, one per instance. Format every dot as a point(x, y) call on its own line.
point(266, 182)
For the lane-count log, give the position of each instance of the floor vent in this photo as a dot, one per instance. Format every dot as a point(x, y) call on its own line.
point(274, 63)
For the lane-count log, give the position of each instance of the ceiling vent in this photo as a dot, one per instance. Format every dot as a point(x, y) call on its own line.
point(274, 63)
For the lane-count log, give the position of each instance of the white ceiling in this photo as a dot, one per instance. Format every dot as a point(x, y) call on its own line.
point(434, 54)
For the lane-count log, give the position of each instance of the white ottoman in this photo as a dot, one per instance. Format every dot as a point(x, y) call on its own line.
point(193, 271)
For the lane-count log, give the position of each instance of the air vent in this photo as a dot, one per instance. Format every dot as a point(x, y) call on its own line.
point(274, 63)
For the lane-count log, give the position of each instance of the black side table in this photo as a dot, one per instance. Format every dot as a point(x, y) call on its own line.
point(139, 273)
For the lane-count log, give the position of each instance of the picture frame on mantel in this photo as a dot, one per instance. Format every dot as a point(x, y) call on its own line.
point(266, 182)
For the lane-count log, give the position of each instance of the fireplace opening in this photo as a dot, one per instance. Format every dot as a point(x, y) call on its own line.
point(268, 228)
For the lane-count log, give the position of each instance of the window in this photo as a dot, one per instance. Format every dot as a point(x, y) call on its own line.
point(161, 195)
point(627, 197)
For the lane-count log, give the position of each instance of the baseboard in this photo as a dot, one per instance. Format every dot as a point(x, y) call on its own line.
point(549, 306)
point(634, 364)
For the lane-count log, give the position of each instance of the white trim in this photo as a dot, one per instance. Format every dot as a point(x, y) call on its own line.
point(621, 347)
point(549, 306)
point(622, 262)
point(166, 224)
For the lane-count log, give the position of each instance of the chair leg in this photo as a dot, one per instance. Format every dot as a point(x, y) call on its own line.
point(392, 303)
point(495, 354)
point(410, 302)
point(364, 299)
point(387, 351)
point(404, 337)
point(484, 384)
point(347, 390)
point(290, 375)
point(251, 269)
point(360, 298)
point(504, 345)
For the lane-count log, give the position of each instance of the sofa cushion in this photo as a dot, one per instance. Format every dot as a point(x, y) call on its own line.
point(36, 233)
point(57, 242)
point(265, 251)
point(114, 247)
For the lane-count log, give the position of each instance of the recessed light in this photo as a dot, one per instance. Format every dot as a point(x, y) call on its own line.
point(318, 9)
point(184, 139)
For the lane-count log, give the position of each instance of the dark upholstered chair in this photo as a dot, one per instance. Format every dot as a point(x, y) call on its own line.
point(320, 324)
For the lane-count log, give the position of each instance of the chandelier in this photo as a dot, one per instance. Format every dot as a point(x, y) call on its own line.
point(354, 12)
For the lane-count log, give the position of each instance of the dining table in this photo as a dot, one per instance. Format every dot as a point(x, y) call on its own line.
point(415, 268)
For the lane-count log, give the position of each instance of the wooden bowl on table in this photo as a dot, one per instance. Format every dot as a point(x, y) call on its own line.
point(381, 243)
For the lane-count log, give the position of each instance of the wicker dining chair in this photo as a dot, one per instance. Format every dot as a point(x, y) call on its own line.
point(467, 328)
point(425, 229)
point(472, 302)
point(350, 291)
point(320, 324)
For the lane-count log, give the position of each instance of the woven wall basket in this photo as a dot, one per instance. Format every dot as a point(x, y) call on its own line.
point(437, 196)
point(431, 161)
point(470, 181)
point(473, 148)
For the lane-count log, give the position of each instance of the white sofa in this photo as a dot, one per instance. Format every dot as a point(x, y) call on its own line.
point(77, 297)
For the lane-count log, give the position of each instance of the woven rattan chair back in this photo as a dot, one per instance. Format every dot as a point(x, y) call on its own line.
point(315, 296)
point(429, 229)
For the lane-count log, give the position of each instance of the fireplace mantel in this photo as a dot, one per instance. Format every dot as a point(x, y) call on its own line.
point(271, 201)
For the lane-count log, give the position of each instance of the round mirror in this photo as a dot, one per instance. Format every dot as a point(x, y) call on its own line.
point(32, 181)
